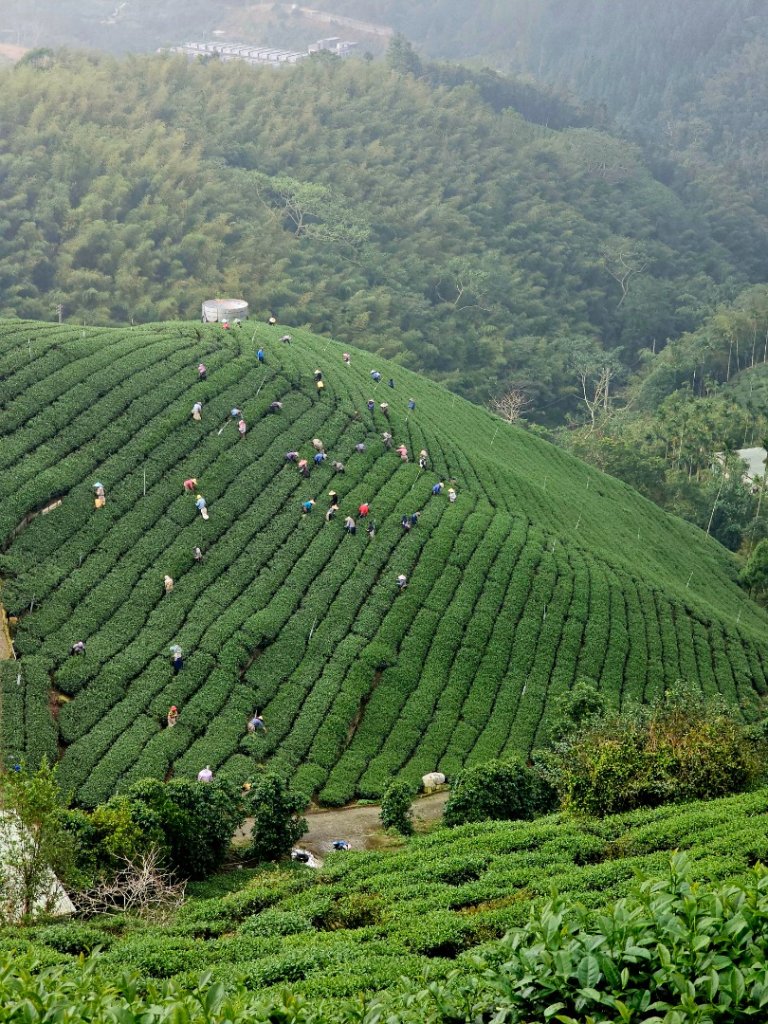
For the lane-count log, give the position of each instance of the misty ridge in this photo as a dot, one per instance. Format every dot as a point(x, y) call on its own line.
point(557, 205)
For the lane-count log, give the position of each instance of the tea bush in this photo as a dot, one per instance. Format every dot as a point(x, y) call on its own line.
point(276, 922)
point(672, 949)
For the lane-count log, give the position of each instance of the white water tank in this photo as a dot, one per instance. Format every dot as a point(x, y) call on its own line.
point(216, 310)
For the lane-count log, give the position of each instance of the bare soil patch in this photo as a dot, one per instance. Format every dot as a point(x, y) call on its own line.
point(6, 651)
point(360, 826)
point(12, 52)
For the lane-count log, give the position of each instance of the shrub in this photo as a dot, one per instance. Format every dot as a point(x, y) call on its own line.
point(396, 809)
point(496, 790)
point(681, 749)
point(276, 822)
point(582, 704)
point(277, 922)
point(197, 820)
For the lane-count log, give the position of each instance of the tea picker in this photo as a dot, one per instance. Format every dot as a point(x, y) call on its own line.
point(177, 659)
point(100, 499)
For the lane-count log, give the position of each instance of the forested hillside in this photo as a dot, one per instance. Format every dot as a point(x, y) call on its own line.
point(687, 80)
point(632, 57)
point(109, 25)
point(540, 571)
point(409, 217)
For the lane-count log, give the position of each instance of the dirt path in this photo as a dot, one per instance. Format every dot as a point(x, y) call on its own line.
point(360, 826)
point(6, 651)
point(369, 27)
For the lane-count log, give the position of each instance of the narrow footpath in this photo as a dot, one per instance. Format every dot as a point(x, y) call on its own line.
point(6, 650)
point(360, 826)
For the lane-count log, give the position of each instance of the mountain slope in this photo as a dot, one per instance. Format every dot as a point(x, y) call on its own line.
point(390, 212)
point(687, 80)
point(541, 571)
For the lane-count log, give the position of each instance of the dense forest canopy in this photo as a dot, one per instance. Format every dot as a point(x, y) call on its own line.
point(405, 215)
point(686, 79)
point(624, 54)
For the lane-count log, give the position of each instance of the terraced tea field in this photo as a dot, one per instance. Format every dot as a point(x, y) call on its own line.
point(367, 920)
point(541, 570)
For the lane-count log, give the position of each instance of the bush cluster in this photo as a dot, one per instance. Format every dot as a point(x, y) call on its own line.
point(681, 748)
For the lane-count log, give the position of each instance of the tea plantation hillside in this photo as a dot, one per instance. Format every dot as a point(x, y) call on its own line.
point(367, 920)
point(541, 571)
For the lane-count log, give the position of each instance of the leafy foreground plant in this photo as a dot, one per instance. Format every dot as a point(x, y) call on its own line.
point(674, 952)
